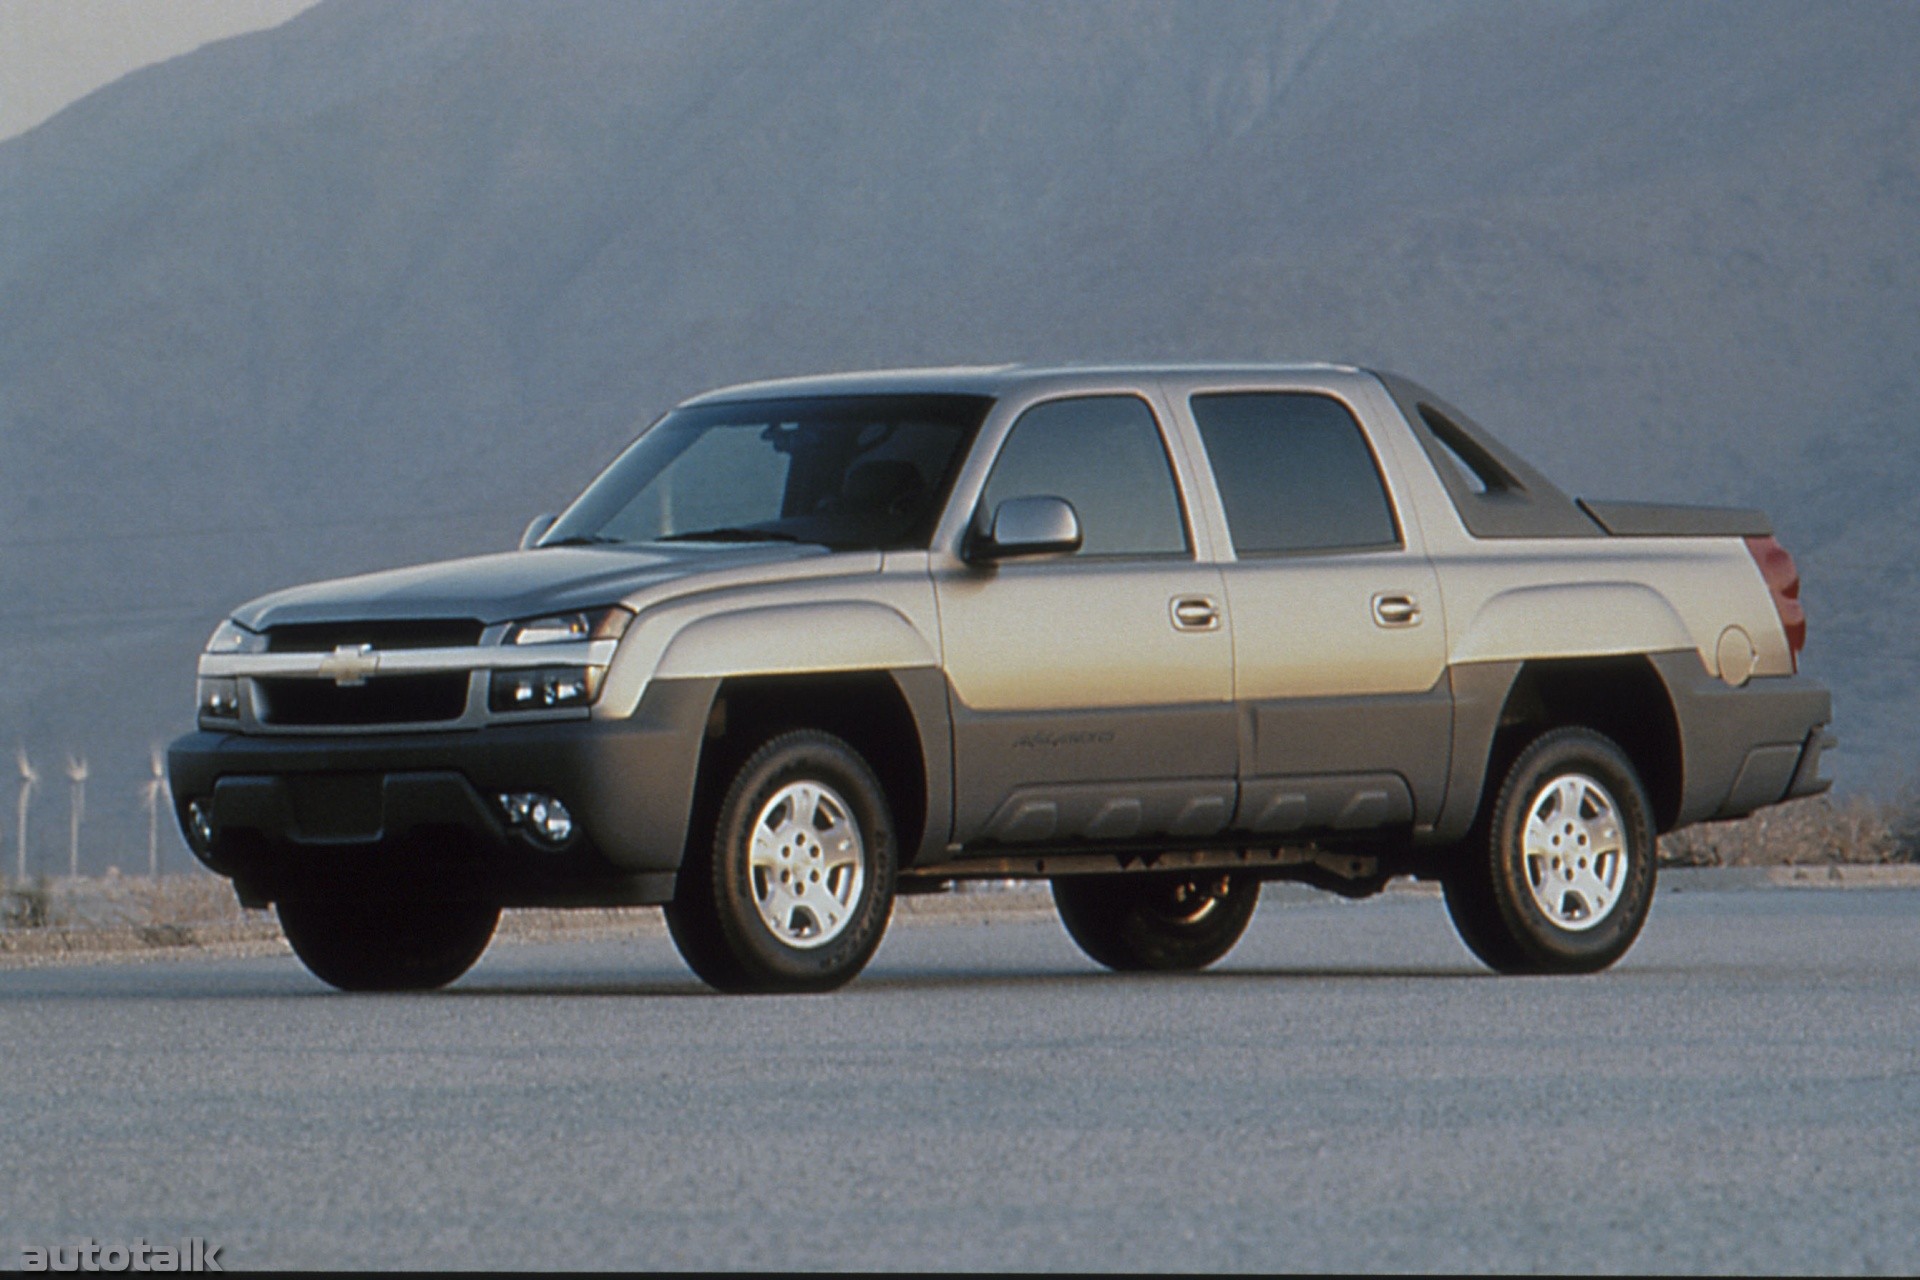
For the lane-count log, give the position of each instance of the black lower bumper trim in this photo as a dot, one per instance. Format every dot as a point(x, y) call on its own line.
point(419, 809)
point(1806, 778)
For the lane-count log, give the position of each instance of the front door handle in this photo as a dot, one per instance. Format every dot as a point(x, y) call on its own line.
point(1396, 609)
point(1195, 613)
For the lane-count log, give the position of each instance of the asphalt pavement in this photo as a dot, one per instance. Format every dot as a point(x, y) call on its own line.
point(1347, 1091)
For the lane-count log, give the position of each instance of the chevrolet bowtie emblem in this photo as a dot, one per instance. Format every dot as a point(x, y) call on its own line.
point(350, 664)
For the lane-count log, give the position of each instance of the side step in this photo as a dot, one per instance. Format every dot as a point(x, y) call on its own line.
point(1357, 875)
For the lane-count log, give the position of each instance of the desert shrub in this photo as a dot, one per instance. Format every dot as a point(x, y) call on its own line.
point(1904, 825)
point(27, 906)
point(182, 900)
point(1818, 830)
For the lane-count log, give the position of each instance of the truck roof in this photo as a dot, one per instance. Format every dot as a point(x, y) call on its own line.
point(994, 380)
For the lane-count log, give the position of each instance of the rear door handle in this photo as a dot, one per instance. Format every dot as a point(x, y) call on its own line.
point(1195, 613)
point(1396, 609)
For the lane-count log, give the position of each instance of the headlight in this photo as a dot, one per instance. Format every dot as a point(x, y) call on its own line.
point(555, 687)
point(219, 698)
point(231, 637)
point(566, 628)
point(544, 688)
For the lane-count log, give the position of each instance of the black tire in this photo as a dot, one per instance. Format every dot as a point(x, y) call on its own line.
point(1140, 922)
point(1468, 892)
point(1577, 900)
point(361, 943)
point(741, 929)
point(693, 921)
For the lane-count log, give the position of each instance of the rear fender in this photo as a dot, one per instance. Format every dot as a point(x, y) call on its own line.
point(1597, 619)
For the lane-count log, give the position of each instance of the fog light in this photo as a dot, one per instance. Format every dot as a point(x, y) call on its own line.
point(200, 825)
point(542, 815)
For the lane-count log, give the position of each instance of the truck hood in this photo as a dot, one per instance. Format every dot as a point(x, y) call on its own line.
point(514, 584)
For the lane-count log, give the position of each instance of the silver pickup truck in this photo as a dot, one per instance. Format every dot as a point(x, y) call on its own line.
point(1153, 634)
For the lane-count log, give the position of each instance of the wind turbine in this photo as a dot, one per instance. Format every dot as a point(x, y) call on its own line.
point(29, 779)
point(77, 774)
point(150, 792)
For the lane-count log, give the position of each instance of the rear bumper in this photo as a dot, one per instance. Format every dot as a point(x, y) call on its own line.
point(1743, 749)
point(287, 812)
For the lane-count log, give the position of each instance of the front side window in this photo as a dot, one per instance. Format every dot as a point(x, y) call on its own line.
point(1295, 473)
point(847, 472)
point(1104, 455)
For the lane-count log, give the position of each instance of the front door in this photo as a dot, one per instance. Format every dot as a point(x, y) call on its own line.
point(1092, 692)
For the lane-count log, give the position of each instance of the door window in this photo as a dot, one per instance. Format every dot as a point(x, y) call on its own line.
point(1295, 473)
point(1105, 456)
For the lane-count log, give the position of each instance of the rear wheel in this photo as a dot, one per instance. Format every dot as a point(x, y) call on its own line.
point(795, 891)
point(358, 942)
point(1143, 922)
point(1560, 877)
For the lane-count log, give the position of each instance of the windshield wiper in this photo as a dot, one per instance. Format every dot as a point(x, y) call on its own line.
point(584, 540)
point(730, 534)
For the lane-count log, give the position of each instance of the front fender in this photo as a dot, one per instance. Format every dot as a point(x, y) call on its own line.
point(769, 639)
point(795, 639)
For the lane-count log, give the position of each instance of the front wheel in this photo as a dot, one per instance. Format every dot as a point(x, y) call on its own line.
point(1141, 921)
point(358, 942)
point(797, 887)
point(1560, 877)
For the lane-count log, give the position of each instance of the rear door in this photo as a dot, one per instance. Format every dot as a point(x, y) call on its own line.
point(1340, 680)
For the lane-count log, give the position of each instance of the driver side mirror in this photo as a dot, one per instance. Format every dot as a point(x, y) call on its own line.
point(537, 529)
point(1035, 526)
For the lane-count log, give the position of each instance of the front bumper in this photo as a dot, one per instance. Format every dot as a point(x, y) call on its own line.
point(288, 812)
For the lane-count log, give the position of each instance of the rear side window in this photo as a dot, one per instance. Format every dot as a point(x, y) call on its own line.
point(1295, 473)
point(1104, 455)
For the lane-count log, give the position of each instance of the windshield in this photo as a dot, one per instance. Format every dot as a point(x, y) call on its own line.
point(848, 472)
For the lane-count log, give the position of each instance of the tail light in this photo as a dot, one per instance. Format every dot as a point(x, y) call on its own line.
point(1783, 580)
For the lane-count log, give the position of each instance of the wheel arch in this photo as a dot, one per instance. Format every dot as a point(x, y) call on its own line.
point(894, 719)
point(1622, 696)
